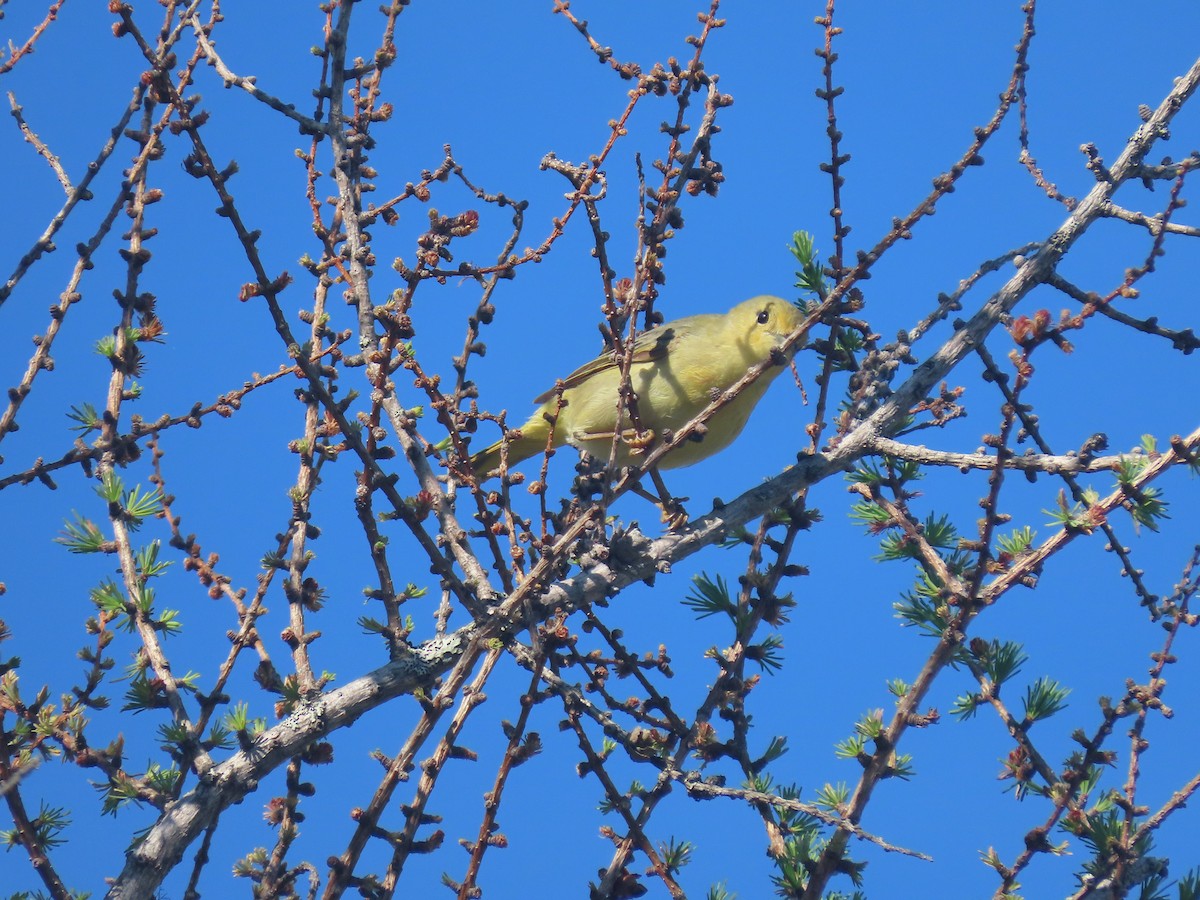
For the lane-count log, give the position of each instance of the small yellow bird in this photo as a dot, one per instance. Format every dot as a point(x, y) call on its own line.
point(675, 368)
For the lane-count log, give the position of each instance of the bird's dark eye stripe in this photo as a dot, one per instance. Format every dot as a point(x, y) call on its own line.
point(764, 316)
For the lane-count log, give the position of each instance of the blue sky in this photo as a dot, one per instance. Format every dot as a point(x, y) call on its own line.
point(504, 84)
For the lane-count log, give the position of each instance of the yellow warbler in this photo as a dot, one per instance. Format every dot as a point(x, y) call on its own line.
point(675, 368)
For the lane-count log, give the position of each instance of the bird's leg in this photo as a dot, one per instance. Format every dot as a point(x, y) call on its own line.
point(673, 513)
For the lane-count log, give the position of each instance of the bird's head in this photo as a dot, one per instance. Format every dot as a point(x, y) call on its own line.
point(761, 324)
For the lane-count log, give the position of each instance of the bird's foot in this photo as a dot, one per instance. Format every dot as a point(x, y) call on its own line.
point(673, 514)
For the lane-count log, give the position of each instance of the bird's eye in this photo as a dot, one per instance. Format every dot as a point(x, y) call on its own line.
point(764, 316)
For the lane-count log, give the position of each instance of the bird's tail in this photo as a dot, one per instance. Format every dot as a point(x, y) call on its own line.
point(532, 441)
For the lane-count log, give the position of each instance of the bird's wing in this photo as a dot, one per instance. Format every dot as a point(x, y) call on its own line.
point(648, 346)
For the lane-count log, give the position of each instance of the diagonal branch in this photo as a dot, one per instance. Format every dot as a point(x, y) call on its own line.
point(634, 559)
